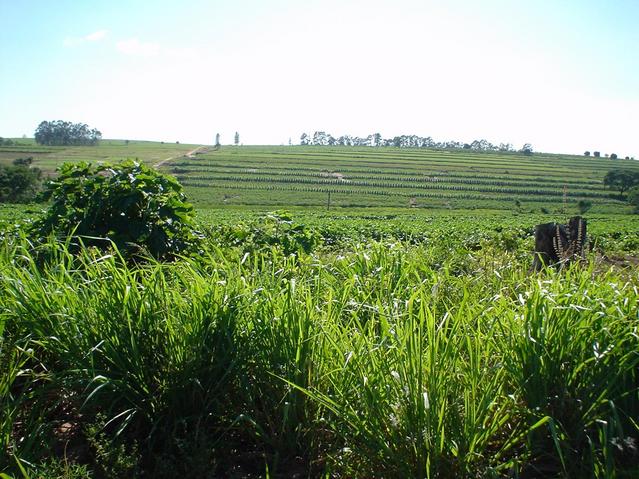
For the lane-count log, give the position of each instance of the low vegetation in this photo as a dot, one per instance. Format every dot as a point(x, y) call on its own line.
point(271, 352)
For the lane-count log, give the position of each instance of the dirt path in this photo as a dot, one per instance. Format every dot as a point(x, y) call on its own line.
point(190, 154)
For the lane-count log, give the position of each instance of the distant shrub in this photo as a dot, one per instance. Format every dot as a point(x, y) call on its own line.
point(130, 204)
point(19, 183)
point(23, 161)
point(584, 206)
point(613, 156)
point(586, 153)
point(596, 154)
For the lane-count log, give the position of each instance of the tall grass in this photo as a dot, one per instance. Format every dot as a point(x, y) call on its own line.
point(386, 360)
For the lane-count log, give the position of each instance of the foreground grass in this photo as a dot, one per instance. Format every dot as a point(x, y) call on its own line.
point(382, 359)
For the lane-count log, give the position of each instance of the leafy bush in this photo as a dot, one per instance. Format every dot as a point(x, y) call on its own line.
point(130, 204)
point(276, 229)
point(19, 183)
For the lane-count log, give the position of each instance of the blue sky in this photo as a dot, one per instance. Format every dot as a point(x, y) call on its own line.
point(563, 76)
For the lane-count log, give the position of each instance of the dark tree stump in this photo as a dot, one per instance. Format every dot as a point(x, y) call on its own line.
point(557, 244)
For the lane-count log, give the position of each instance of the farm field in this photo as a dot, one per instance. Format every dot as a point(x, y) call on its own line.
point(361, 346)
point(266, 177)
point(48, 158)
point(374, 339)
point(393, 177)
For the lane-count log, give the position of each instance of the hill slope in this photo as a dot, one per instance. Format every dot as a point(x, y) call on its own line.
point(393, 177)
point(274, 176)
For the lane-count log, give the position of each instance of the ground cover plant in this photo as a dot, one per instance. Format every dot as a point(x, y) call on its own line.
point(358, 355)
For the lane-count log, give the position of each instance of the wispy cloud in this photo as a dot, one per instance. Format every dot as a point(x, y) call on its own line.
point(91, 37)
point(133, 46)
point(95, 36)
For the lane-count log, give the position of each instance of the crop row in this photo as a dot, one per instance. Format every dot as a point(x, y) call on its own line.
point(535, 163)
point(555, 172)
point(388, 178)
point(390, 185)
point(440, 193)
point(199, 167)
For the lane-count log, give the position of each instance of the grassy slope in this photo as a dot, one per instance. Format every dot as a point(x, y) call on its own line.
point(49, 157)
point(272, 176)
point(390, 177)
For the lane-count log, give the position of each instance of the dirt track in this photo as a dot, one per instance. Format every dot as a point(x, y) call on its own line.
point(190, 154)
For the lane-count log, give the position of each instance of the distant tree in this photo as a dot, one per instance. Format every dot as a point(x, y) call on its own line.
point(217, 140)
point(126, 142)
point(237, 138)
point(377, 139)
point(613, 156)
point(596, 154)
point(304, 139)
point(586, 153)
point(627, 157)
point(606, 155)
point(527, 149)
point(290, 142)
point(505, 147)
point(621, 180)
point(65, 133)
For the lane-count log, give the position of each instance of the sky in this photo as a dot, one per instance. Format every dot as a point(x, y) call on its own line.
point(561, 75)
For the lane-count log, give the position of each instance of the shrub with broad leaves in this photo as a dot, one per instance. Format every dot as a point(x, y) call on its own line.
point(129, 204)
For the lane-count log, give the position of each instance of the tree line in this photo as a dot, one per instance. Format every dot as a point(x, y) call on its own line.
point(65, 133)
point(321, 138)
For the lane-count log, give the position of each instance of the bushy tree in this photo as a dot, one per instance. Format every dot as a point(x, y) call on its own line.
point(19, 183)
point(527, 149)
point(63, 133)
point(621, 180)
point(134, 206)
point(596, 154)
point(586, 153)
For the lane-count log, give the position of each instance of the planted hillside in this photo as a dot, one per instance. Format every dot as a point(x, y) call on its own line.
point(398, 177)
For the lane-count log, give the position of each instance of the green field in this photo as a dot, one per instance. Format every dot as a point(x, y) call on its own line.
point(48, 158)
point(399, 178)
point(263, 177)
point(401, 333)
